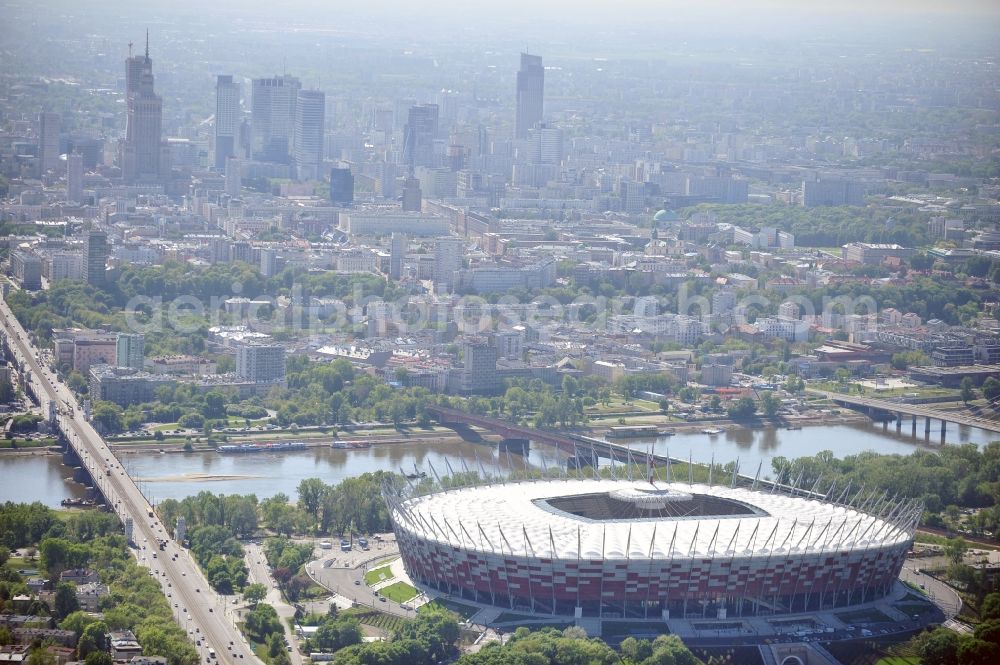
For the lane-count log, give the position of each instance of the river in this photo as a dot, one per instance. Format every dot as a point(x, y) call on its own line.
point(176, 475)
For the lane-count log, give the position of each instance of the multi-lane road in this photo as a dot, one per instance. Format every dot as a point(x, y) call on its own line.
point(195, 605)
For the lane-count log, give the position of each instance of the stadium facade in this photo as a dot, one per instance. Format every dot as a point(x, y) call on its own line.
point(651, 549)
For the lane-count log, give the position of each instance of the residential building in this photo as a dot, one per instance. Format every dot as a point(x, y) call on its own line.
point(124, 385)
point(130, 350)
point(448, 254)
point(95, 257)
point(261, 363)
point(26, 268)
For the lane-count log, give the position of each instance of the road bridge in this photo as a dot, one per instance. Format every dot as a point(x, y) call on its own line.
point(875, 406)
point(196, 606)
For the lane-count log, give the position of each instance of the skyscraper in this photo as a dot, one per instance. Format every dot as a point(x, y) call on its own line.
point(48, 141)
point(419, 134)
point(272, 116)
point(95, 254)
point(310, 113)
point(74, 177)
point(143, 129)
point(227, 119)
point(530, 94)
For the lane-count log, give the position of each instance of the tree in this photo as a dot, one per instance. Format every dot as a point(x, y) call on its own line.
point(94, 638)
point(991, 388)
point(77, 622)
point(664, 406)
point(255, 593)
point(311, 492)
point(769, 404)
point(65, 601)
point(41, 656)
point(955, 549)
point(743, 409)
point(968, 390)
point(215, 405)
point(938, 647)
point(107, 416)
point(990, 607)
point(974, 651)
point(98, 658)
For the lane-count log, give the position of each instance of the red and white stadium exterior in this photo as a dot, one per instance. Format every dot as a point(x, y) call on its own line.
point(511, 545)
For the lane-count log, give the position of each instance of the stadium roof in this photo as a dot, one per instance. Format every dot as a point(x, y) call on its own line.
point(619, 519)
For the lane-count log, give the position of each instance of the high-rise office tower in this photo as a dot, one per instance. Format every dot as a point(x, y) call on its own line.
point(74, 177)
point(530, 94)
point(397, 253)
point(272, 116)
point(412, 196)
point(233, 177)
point(48, 141)
point(129, 350)
point(141, 156)
point(342, 185)
point(227, 119)
point(419, 134)
point(310, 113)
point(95, 257)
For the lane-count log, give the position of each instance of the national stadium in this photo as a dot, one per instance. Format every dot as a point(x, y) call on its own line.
point(650, 549)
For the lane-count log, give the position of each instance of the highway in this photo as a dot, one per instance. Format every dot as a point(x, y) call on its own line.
point(196, 606)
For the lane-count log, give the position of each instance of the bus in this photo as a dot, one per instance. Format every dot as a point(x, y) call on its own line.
point(211, 653)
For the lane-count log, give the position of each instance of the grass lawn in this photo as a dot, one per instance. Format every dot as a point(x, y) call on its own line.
point(399, 592)
point(27, 443)
point(386, 622)
point(461, 609)
point(377, 575)
point(899, 660)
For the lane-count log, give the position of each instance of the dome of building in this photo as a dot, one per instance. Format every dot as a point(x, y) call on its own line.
point(665, 216)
